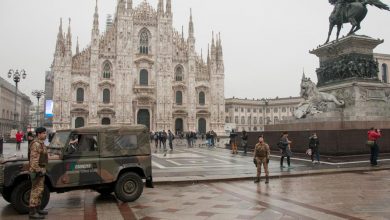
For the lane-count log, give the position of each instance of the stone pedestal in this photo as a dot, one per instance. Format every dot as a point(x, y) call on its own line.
point(349, 72)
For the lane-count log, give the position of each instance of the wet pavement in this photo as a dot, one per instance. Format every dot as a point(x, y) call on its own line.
point(196, 183)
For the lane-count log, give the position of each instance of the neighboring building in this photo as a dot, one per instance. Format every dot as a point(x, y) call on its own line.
point(252, 115)
point(33, 117)
point(384, 64)
point(141, 71)
point(7, 100)
point(49, 83)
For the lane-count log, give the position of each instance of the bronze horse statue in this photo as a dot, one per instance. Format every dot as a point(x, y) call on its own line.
point(352, 12)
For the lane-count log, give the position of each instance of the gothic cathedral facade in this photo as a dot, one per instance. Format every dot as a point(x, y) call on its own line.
point(140, 71)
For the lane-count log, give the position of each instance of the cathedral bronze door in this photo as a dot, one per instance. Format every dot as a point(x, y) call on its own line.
point(202, 126)
point(179, 125)
point(143, 117)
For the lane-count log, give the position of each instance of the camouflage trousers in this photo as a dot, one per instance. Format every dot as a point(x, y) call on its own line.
point(37, 187)
point(262, 161)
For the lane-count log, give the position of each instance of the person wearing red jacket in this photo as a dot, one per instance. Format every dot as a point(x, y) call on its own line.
point(373, 136)
point(19, 137)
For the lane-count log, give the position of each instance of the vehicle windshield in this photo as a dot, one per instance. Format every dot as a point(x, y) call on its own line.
point(59, 140)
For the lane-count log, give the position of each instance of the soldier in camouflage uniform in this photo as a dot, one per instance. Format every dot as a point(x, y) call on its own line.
point(38, 161)
point(261, 158)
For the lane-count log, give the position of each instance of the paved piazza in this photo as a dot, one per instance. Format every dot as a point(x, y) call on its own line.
point(185, 190)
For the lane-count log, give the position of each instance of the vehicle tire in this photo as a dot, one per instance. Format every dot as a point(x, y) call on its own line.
point(105, 191)
point(7, 195)
point(20, 197)
point(129, 187)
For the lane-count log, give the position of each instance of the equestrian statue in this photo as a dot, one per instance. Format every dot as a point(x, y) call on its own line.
point(350, 11)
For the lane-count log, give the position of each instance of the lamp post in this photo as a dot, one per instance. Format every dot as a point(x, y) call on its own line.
point(38, 94)
point(17, 76)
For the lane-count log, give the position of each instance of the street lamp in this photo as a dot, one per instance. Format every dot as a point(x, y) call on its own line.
point(17, 76)
point(38, 94)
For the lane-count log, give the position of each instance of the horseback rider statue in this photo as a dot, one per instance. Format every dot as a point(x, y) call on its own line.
point(350, 11)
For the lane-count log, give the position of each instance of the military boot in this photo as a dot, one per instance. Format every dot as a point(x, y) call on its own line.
point(257, 179)
point(42, 212)
point(266, 180)
point(34, 214)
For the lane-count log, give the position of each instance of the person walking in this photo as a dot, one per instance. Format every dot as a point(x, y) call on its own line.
point(171, 137)
point(314, 144)
point(233, 142)
point(19, 137)
point(155, 136)
point(285, 149)
point(261, 154)
point(373, 136)
point(38, 161)
point(244, 140)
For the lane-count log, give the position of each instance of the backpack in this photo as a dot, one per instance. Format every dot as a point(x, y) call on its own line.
point(261, 151)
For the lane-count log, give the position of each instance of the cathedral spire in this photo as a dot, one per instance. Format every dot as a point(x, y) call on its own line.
point(60, 36)
point(121, 7)
point(182, 32)
point(96, 18)
point(213, 48)
point(77, 46)
point(191, 26)
point(169, 7)
point(69, 37)
point(60, 40)
point(129, 5)
point(160, 7)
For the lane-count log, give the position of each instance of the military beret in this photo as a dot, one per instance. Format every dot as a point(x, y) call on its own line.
point(40, 130)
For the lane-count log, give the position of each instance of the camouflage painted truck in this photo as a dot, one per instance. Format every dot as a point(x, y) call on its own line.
point(105, 159)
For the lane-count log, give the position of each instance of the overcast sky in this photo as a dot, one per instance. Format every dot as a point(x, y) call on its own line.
point(265, 43)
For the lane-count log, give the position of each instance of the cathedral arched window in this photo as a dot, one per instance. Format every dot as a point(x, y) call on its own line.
point(80, 95)
point(144, 78)
point(384, 73)
point(107, 70)
point(144, 42)
point(106, 96)
point(202, 98)
point(179, 76)
point(179, 98)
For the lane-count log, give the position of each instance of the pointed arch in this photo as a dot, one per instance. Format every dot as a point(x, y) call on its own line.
point(179, 73)
point(144, 41)
point(107, 69)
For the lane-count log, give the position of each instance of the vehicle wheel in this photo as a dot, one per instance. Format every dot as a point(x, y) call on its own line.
point(20, 197)
point(7, 195)
point(129, 187)
point(105, 191)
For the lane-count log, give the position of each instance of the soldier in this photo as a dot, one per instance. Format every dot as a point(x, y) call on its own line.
point(261, 158)
point(38, 161)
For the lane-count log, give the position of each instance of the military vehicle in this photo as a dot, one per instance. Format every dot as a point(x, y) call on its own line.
point(105, 159)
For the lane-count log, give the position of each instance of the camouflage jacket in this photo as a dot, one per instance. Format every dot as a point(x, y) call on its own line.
point(262, 150)
point(38, 156)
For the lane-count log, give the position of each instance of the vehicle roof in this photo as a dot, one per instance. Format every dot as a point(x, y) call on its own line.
point(109, 128)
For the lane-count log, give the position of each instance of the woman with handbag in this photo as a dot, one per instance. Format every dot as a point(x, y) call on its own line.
point(373, 136)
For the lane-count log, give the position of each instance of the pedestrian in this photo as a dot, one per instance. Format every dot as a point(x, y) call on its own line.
point(244, 140)
point(188, 137)
point(261, 154)
point(314, 144)
point(38, 162)
point(213, 135)
point(171, 137)
point(285, 148)
point(19, 138)
point(164, 137)
point(372, 142)
point(155, 136)
point(233, 142)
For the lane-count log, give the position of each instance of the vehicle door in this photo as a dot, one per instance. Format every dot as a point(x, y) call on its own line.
point(81, 160)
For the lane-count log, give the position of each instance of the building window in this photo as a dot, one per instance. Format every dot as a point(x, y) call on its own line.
point(242, 120)
point(276, 119)
point(384, 73)
point(202, 98)
point(236, 119)
point(268, 120)
point(268, 110)
point(242, 109)
point(276, 110)
point(255, 128)
point(261, 110)
point(249, 110)
point(179, 76)
point(284, 109)
point(144, 77)
point(79, 122)
point(254, 120)
point(144, 42)
point(106, 96)
point(254, 110)
point(249, 120)
point(80, 95)
point(106, 121)
point(179, 98)
point(107, 70)
point(226, 110)
point(261, 120)
point(236, 109)
point(227, 120)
